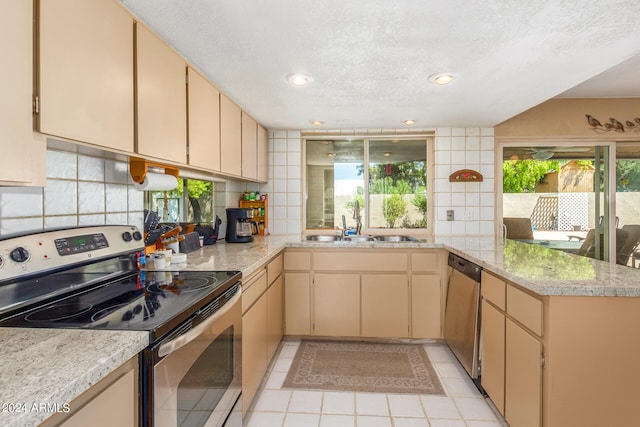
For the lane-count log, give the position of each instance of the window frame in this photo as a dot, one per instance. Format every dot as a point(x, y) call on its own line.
point(429, 139)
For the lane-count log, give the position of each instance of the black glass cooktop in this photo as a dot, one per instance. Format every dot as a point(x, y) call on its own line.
point(154, 301)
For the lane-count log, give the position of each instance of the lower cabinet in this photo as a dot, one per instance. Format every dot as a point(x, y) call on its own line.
point(336, 305)
point(111, 402)
point(523, 378)
point(493, 351)
point(426, 306)
point(297, 297)
point(275, 305)
point(385, 305)
point(512, 354)
point(364, 293)
point(262, 326)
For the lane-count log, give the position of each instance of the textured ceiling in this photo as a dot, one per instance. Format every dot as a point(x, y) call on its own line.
point(370, 59)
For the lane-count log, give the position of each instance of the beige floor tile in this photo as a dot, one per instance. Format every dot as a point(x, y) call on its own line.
point(450, 370)
point(273, 401)
point(474, 408)
point(337, 420)
point(410, 422)
point(305, 401)
point(447, 423)
point(440, 407)
point(301, 420)
point(371, 421)
point(338, 403)
point(371, 404)
point(405, 405)
point(463, 387)
point(275, 380)
point(265, 419)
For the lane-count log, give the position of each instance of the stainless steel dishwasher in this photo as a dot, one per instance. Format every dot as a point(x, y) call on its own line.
point(462, 313)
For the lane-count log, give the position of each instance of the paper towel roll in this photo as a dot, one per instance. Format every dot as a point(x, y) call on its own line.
point(157, 182)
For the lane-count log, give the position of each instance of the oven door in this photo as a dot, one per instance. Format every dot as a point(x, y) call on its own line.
point(197, 372)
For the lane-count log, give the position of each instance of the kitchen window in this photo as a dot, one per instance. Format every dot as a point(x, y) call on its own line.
point(190, 201)
point(377, 183)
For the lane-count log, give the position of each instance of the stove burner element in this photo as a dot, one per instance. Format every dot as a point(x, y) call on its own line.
point(180, 286)
point(57, 312)
point(126, 316)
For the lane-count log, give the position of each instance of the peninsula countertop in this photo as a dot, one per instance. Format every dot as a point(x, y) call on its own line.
point(539, 269)
point(43, 369)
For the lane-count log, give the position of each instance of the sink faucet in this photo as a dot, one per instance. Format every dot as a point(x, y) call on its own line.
point(356, 216)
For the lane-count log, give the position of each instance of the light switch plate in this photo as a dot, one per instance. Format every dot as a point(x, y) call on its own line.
point(450, 215)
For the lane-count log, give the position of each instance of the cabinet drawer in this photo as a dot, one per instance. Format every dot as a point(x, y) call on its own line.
point(359, 261)
point(525, 309)
point(425, 262)
point(297, 261)
point(274, 269)
point(253, 289)
point(493, 289)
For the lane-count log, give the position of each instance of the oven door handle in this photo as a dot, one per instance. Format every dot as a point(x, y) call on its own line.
point(173, 345)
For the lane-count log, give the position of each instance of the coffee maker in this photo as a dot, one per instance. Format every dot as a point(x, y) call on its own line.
point(239, 225)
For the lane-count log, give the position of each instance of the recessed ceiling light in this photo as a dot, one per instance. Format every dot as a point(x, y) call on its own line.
point(387, 154)
point(317, 122)
point(441, 78)
point(298, 80)
point(331, 154)
point(409, 122)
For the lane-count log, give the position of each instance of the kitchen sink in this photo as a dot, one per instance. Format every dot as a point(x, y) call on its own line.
point(359, 238)
point(397, 238)
point(324, 238)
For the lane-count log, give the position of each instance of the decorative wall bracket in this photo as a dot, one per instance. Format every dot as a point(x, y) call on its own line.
point(465, 175)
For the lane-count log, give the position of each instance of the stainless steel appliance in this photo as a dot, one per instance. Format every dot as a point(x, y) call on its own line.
point(239, 225)
point(462, 313)
point(89, 278)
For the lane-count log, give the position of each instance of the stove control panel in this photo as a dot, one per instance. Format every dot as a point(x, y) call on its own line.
point(84, 243)
point(40, 252)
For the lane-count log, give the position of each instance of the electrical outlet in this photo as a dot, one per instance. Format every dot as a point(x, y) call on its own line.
point(450, 215)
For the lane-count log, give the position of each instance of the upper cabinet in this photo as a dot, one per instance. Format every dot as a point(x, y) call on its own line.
point(263, 155)
point(204, 122)
point(249, 147)
point(162, 99)
point(230, 137)
point(85, 71)
point(23, 156)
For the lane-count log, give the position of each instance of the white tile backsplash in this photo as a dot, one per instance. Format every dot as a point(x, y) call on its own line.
point(90, 168)
point(60, 197)
point(20, 202)
point(81, 190)
point(90, 197)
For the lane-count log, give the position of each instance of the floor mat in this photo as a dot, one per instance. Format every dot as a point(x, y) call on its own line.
point(363, 367)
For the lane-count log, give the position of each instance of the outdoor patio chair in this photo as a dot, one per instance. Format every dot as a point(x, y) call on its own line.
point(588, 247)
point(630, 246)
point(518, 228)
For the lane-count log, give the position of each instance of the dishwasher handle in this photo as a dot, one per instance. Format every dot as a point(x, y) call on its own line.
point(464, 266)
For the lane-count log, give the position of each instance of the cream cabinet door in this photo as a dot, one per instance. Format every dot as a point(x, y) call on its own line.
point(493, 350)
point(23, 156)
point(523, 378)
point(385, 305)
point(254, 350)
point(336, 305)
point(86, 72)
point(275, 307)
point(297, 302)
point(263, 155)
point(249, 147)
point(426, 306)
point(204, 122)
point(230, 137)
point(162, 99)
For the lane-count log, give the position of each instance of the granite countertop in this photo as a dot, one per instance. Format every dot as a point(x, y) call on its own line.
point(542, 270)
point(54, 366)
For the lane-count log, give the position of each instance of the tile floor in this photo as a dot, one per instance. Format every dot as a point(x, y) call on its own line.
point(463, 406)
